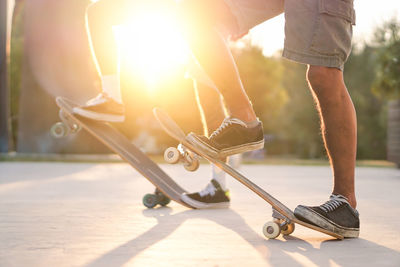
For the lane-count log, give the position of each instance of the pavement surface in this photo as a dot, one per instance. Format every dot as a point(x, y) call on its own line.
point(81, 214)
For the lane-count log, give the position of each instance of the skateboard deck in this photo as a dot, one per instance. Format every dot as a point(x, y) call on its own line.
point(118, 143)
point(286, 215)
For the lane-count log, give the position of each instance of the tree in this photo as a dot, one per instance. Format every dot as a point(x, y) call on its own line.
point(360, 73)
point(387, 82)
point(4, 92)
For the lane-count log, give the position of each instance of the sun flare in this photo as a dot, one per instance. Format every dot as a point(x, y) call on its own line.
point(152, 46)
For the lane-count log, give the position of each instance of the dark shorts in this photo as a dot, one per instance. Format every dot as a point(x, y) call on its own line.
point(317, 32)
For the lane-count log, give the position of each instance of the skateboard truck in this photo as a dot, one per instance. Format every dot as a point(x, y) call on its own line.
point(174, 155)
point(65, 127)
point(279, 225)
point(152, 200)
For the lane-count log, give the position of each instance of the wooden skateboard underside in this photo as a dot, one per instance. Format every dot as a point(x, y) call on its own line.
point(176, 132)
point(118, 143)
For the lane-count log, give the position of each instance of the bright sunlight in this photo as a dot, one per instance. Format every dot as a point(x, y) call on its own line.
point(152, 46)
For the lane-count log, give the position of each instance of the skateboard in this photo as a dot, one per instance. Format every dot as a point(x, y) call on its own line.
point(166, 187)
point(284, 219)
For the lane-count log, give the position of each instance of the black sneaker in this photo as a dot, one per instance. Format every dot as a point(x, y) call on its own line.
point(102, 108)
point(232, 137)
point(335, 215)
point(213, 196)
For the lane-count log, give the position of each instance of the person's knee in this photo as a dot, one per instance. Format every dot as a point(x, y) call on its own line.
point(326, 83)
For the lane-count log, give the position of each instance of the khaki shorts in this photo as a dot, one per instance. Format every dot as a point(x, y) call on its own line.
point(317, 32)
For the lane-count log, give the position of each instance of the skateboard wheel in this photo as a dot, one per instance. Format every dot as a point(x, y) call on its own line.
point(271, 230)
point(192, 165)
point(163, 200)
point(150, 201)
point(59, 130)
point(75, 128)
point(172, 155)
point(72, 126)
point(287, 229)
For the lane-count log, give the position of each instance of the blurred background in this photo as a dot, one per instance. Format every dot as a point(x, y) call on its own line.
point(47, 54)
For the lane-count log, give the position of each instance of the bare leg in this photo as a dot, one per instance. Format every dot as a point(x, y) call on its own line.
point(210, 106)
point(100, 18)
point(212, 113)
point(215, 194)
point(338, 125)
point(213, 53)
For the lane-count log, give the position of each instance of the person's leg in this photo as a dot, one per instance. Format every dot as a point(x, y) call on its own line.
point(338, 126)
point(215, 194)
point(319, 33)
point(339, 133)
point(210, 105)
point(101, 16)
point(202, 20)
point(211, 50)
point(100, 19)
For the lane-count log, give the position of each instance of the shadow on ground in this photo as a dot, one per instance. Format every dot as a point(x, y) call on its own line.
point(291, 251)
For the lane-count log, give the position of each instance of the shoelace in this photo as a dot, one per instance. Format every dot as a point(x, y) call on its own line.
point(333, 203)
point(209, 190)
point(99, 99)
point(226, 123)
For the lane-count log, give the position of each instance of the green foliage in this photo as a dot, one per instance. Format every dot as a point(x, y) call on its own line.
point(360, 73)
point(298, 132)
point(387, 38)
point(16, 57)
point(281, 98)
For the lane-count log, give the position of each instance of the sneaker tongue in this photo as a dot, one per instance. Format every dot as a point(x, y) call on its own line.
point(236, 121)
point(339, 197)
point(99, 99)
point(209, 190)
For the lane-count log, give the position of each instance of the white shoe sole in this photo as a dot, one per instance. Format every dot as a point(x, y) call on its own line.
point(98, 116)
point(209, 150)
point(325, 223)
point(201, 205)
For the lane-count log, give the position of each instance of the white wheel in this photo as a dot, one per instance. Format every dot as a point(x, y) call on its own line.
point(69, 122)
point(172, 155)
point(287, 229)
point(59, 130)
point(271, 230)
point(75, 128)
point(193, 165)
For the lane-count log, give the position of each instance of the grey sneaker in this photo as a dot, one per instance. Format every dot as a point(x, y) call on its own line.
point(213, 196)
point(102, 108)
point(335, 215)
point(232, 137)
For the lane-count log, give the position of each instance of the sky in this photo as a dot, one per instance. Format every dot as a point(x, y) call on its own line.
point(369, 15)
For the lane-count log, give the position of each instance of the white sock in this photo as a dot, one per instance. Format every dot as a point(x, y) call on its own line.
point(111, 86)
point(219, 176)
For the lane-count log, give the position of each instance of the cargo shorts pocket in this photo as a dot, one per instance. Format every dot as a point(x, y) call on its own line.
point(334, 28)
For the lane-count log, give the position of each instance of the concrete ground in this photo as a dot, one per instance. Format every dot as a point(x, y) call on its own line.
point(76, 214)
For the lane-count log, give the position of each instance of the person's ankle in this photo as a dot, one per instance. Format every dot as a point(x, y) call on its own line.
point(246, 115)
point(351, 198)
point(352, 202)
